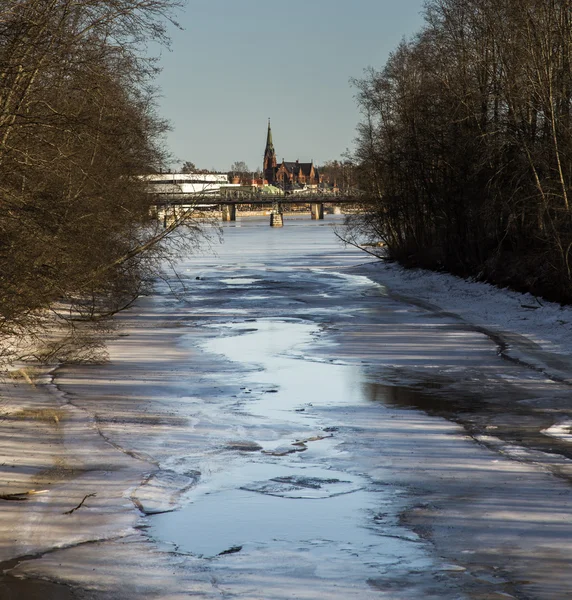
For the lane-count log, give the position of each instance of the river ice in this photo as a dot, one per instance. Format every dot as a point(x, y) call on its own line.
point(270, 425)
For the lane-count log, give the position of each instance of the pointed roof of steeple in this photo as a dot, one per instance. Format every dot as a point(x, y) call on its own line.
point(269, 144)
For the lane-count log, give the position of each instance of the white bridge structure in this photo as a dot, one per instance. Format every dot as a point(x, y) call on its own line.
point(186, 184)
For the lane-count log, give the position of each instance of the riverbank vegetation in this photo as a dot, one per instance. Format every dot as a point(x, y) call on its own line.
point(77, 124)
point(465, 144)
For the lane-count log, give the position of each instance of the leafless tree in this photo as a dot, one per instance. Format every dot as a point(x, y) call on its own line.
point(465, 144)
point(78, 125)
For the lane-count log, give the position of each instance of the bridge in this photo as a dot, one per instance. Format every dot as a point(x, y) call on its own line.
point(172, 205)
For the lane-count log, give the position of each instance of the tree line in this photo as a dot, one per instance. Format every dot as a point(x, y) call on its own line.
point(77, 125)
point(465, 144)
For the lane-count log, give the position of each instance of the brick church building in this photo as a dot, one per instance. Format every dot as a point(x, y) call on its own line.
point(287, 175)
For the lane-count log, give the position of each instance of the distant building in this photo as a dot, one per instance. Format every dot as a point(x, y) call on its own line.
point(185, 183)
point(287, 175)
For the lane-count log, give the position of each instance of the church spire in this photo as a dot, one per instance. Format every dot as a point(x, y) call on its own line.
point(269, 157)
point(269, 144)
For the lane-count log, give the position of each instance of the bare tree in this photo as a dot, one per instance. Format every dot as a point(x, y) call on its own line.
point(240, 170)
point(189, 167)
point(77, 126)
point(465, 144)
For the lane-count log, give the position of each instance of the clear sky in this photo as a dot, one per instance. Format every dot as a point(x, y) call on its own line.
point(239, 62)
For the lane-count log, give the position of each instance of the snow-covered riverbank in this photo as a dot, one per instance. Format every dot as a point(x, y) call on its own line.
point(536, 331)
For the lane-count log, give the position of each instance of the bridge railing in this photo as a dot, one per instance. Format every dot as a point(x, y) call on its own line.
point(351, 196)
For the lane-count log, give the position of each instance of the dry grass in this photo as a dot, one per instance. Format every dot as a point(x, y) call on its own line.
point(45, 415)
point(30, 374)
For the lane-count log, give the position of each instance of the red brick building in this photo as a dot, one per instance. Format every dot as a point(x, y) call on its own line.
point(287, 175)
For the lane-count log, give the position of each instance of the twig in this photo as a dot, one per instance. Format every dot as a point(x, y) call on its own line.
point(345, 241)
point(69, 512)
point(21, 496)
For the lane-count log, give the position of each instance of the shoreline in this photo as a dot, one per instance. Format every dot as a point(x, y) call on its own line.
point(79, 483)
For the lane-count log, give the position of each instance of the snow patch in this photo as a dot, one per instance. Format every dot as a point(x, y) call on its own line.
point(561, 431)
point(536, 331)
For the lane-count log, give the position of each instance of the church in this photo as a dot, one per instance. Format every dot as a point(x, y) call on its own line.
point(287, 175)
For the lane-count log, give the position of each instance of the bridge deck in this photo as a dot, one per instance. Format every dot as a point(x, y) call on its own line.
point(188, 199)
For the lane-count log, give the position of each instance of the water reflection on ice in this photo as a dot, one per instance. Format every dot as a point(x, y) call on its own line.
point(239, 281)
point(239, 517)
point(275, 349)
point(285, 491)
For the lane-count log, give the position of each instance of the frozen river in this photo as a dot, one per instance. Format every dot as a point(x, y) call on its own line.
point(279, 419)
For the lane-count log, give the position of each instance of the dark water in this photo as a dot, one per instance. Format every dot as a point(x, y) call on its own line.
point(29, 589)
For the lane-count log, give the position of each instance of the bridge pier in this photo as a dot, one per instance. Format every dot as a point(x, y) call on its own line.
point(276, 216)
point(317, 210)
point(167, 215)
point(228, 212)
point(276, 219)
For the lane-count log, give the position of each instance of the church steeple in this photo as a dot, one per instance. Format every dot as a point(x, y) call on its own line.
point(269, 144)
point(269, 157)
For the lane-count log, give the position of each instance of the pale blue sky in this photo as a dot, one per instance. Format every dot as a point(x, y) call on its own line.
point(237, 63)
